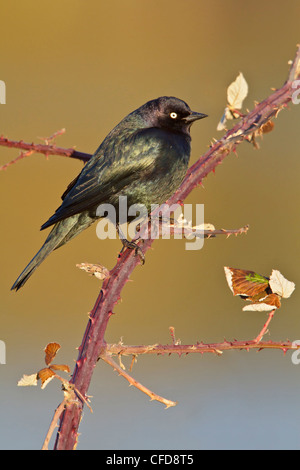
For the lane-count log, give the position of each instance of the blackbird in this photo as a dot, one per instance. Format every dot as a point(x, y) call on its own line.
point(145, 158)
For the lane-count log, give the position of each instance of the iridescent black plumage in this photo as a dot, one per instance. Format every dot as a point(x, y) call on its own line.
point(145, 158)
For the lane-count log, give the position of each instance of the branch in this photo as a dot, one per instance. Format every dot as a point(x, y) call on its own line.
point(176, 348)
point(153, 396)
point(121, 349)
point(93, 343)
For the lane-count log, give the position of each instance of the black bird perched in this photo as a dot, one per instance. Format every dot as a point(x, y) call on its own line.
point(145, 158)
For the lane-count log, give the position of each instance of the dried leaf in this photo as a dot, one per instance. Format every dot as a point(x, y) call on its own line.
point(206, 226)
point(50, 352)
point(45, 375)
point(280, 285)
point(247, 283)
point(267, 127)
point(265, 304)
point(97, 270)
point(237, 92)
point(63, 367)
point(263, 293)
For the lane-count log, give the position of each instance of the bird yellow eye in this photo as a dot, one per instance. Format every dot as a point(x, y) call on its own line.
point(173, 115)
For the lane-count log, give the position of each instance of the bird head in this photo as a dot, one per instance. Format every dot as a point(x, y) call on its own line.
point(170, 113)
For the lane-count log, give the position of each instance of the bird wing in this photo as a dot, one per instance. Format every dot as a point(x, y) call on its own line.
point(105, 176)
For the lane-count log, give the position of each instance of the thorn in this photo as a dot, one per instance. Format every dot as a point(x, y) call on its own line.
point(277, 112)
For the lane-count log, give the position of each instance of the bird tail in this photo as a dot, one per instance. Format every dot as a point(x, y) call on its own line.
point(61, 233)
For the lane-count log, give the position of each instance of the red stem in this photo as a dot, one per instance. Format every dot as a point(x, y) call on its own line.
point(46, 149)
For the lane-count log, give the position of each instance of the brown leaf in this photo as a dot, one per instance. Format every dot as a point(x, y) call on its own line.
point(45, 375)
point(243, 282)
point(50, 352)
point(97, 270)
point(267, 303)
point(63, 367)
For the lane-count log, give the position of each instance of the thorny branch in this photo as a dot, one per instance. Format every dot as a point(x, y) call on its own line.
point(46, 149)
point(71, 396)
point(121, 349)
point(218, 348)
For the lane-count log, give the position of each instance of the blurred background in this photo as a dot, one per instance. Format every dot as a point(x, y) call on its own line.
point(84, 65)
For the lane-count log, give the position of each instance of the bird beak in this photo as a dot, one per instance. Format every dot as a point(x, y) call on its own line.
point(194, 116)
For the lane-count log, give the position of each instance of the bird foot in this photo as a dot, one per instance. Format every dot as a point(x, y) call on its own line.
point(133, 246)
